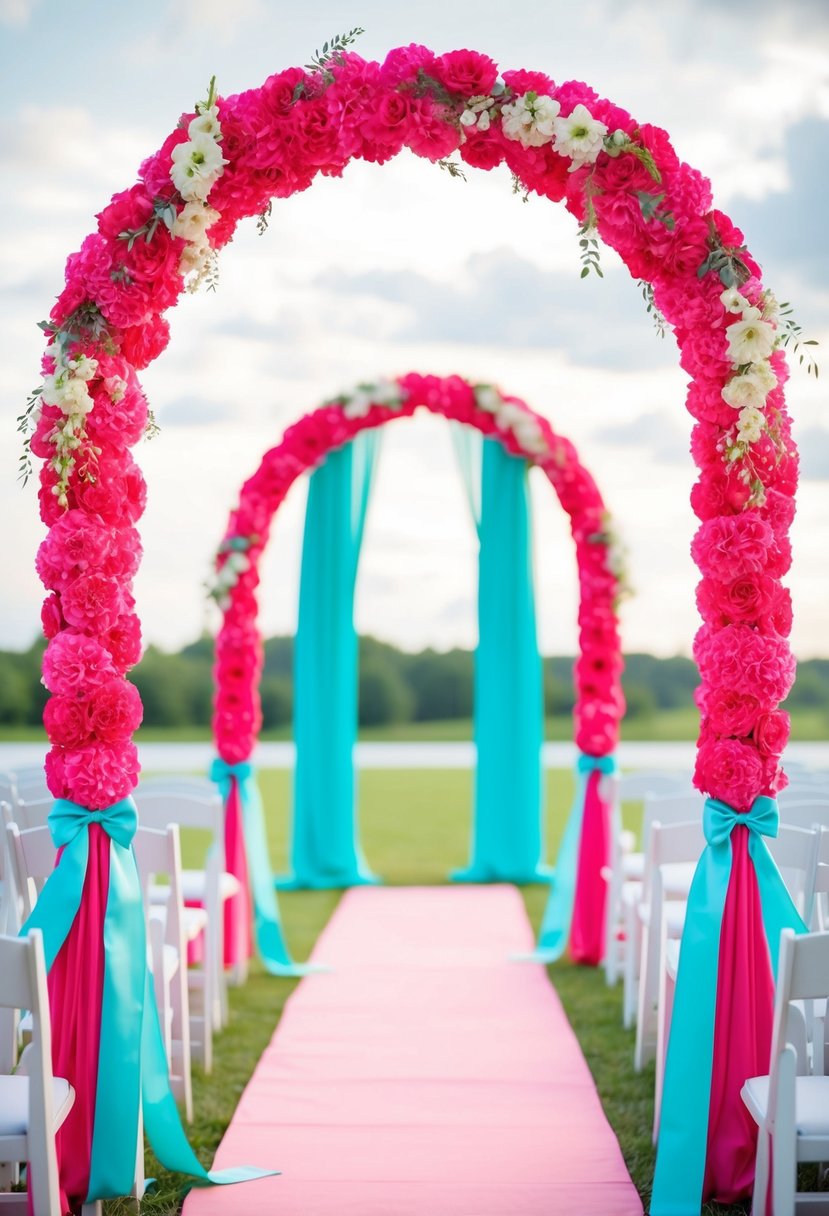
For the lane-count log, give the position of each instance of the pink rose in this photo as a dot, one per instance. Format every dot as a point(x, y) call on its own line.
point(66, 720)
point(115, 711)
point(51, 617)
point(74, 665)
point(771, 732)
point(141, 344)
point(729, 770)
point(123, 641)
point(466, 72)
point(730, 712)
point(92, 601)
point(740, 658)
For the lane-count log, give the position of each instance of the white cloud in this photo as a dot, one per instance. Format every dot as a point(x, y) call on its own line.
point(17, 13)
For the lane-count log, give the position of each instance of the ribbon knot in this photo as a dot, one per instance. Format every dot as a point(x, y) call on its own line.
point(221, 772)
point(67, 819)
point(719, 819)
point(591, 764)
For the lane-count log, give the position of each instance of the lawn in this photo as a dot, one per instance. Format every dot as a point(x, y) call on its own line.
point(415, 827)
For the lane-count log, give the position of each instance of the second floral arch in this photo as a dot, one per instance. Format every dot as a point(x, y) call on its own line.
point(507, 838)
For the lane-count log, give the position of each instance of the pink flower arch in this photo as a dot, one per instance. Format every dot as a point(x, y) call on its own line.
point(624, 183)
point(599, 700)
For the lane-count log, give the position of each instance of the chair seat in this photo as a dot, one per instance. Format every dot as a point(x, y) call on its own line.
point(676, 879)
point(14, 1103)
point(193, 885)
point(674, 911)
point(633, 866)
point(193, 920)
point(631, 893)
point(811, 1101)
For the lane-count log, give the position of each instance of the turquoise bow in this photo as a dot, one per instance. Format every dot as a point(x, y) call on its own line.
point(590, 764)
point(719, 819)
point(221, 772)
point(67, 819)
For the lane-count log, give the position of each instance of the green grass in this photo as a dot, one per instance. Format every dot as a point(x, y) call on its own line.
point(415, 828)
point(808, 726)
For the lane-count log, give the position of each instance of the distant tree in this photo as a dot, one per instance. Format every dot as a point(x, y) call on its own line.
point(277, 701)
point(383, 696)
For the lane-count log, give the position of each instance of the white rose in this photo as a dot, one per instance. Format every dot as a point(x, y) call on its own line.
point(750, 340)
point(733, 301)
point(750, 424)
point(529, 119)
point(746, 390)
point(579, 136)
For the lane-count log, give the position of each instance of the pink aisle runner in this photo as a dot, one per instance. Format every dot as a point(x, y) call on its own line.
point(426, 1075)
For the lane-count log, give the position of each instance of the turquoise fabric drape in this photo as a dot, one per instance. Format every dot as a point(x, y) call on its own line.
point(325, 850)
point(507, 840)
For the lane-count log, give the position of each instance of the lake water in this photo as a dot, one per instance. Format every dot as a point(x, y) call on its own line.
point(195, 757)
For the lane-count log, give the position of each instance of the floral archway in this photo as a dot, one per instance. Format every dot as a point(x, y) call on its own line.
point(624, 184)
point(579, 887)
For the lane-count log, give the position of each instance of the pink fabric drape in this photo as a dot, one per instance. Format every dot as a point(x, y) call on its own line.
point(742, 1030)
point(238, 942)
point(75, 992)
point(587, 929)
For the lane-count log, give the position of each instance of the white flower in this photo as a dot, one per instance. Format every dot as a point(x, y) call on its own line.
point(386, 392)
point(579, 136)
point(82, 367)
point(477, 112)
point(749, 389)
point(193, 259)
point(196, 165)
point(206, 122)
point(529, 119)
point(488, 398)
point(238, 563)
point(734, 301)
point(750, 424)
point(528, 433)
point(750, 340)
point(765, 374)
point(76, 398)
point(52, 391)
point(771, 307)
point(193, 220)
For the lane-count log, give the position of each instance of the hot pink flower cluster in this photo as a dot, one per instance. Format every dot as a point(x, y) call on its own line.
point(599, 700)
point(655, 211)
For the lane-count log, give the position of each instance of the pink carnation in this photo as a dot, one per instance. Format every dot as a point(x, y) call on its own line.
point(730, 712)
point(141, 344)
point(74, 665)
point(92, 601)
point(115, 711)
point(98, 775)
point(733, 545)
point(51, 617)
point(123, 641)
point(729, 770)
point(746, 661)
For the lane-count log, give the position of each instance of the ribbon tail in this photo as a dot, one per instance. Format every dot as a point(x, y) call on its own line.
point(270, 939)
point(117, 1097)
point(779, 912)
point(162, 1122)
point(686, 1096)
point(558, 914)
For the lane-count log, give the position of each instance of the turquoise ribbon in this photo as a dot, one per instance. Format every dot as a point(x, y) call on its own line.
point(132, 1063)
point(270, 940)
point(558, 914)
point(683, 1133)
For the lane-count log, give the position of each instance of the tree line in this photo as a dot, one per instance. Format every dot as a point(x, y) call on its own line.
point(395, 686)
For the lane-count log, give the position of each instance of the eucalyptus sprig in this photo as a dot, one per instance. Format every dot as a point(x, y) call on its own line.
point(619, 142)
point(724, 260)
point(164, 212)
point(518, 187)
point(152, 430)
point(452, 168)
point(26, 423)
point(321, 61)
point(654, 312)
point(791, 338)
point(651, 207)
point(263, 218)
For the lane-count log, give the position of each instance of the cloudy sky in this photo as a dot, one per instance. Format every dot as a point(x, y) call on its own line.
point(402, 268)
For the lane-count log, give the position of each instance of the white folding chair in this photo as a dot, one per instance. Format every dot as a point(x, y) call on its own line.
point(795, 852)
point(28, 783)
point(791, 1111)
point(673, 852)
point(625, 862)
point(673, 808)
point(34, 1103)
point(158, 855)
point(198, 804)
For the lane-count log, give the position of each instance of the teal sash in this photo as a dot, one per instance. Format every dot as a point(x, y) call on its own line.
point(558, 914)
point(270, 940)
point(132, 1063)
point(683, 1133)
